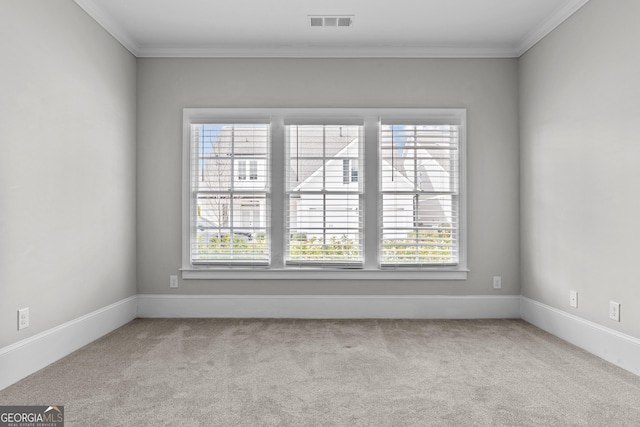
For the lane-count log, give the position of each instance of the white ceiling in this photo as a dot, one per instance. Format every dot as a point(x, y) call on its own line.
point(280, 28)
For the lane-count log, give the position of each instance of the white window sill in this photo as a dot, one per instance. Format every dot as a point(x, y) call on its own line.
point(323, 273)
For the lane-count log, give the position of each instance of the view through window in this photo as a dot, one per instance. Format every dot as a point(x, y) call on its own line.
point(372, 193)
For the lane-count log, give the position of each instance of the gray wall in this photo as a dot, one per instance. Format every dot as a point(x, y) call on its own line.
point(486, 87)
point(580, 109)
point(67, 166)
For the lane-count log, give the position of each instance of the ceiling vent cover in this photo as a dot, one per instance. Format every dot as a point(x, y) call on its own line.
point(334, 21)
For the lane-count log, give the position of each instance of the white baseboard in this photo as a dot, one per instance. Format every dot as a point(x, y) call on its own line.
point(330, 306)
point(34, 353)
point(613, 346)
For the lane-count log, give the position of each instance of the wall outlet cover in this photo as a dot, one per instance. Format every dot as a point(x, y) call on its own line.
point(573, 299)
point(614, 311)
point(173, 281)
point(23, 318)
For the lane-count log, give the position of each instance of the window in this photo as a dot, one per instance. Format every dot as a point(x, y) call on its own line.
point(242, 169)
point(336, 193)
point(229, 218)
point(354, 170)
point(419, 194)
point(349, 171)
point(253, 170)
point(324, 216)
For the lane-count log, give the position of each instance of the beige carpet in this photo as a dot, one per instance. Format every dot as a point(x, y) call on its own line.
point(194, 372)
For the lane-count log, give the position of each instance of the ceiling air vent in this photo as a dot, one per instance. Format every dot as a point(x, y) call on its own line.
point(334, 21)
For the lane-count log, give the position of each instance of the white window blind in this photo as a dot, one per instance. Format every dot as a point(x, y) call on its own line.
point(419, 197)
point(229, 215)
point(324, 204)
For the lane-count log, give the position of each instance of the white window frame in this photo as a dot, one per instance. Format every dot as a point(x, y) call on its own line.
point(368, 172)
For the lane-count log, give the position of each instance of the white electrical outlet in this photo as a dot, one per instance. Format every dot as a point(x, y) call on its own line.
point(23, 318)
point(497, 282)
point(573, 299)
point(614, 311)
point(173, 281)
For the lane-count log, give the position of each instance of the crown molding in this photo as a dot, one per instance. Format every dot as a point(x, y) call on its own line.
point(303, 51)
point(327, 52)
point(551, 23)
point(109, 24)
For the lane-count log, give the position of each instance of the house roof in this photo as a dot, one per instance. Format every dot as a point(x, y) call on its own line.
point(346, 151)
point(336, 140)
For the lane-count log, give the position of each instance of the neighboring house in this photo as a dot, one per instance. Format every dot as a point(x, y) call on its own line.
point(419, 167)
point(337, 213)
point(415, 169)
point(235, 162)
point(232, 180)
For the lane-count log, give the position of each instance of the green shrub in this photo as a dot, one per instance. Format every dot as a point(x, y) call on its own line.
point(423, 246)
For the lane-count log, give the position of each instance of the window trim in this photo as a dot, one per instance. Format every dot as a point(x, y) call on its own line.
point(277, 117)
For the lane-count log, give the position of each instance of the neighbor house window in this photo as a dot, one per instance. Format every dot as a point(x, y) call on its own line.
point(324, 193)
point(242, 169)
point(253, 170)
point(349, 171)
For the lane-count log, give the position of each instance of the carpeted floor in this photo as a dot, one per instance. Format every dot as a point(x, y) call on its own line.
point(206, 372)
